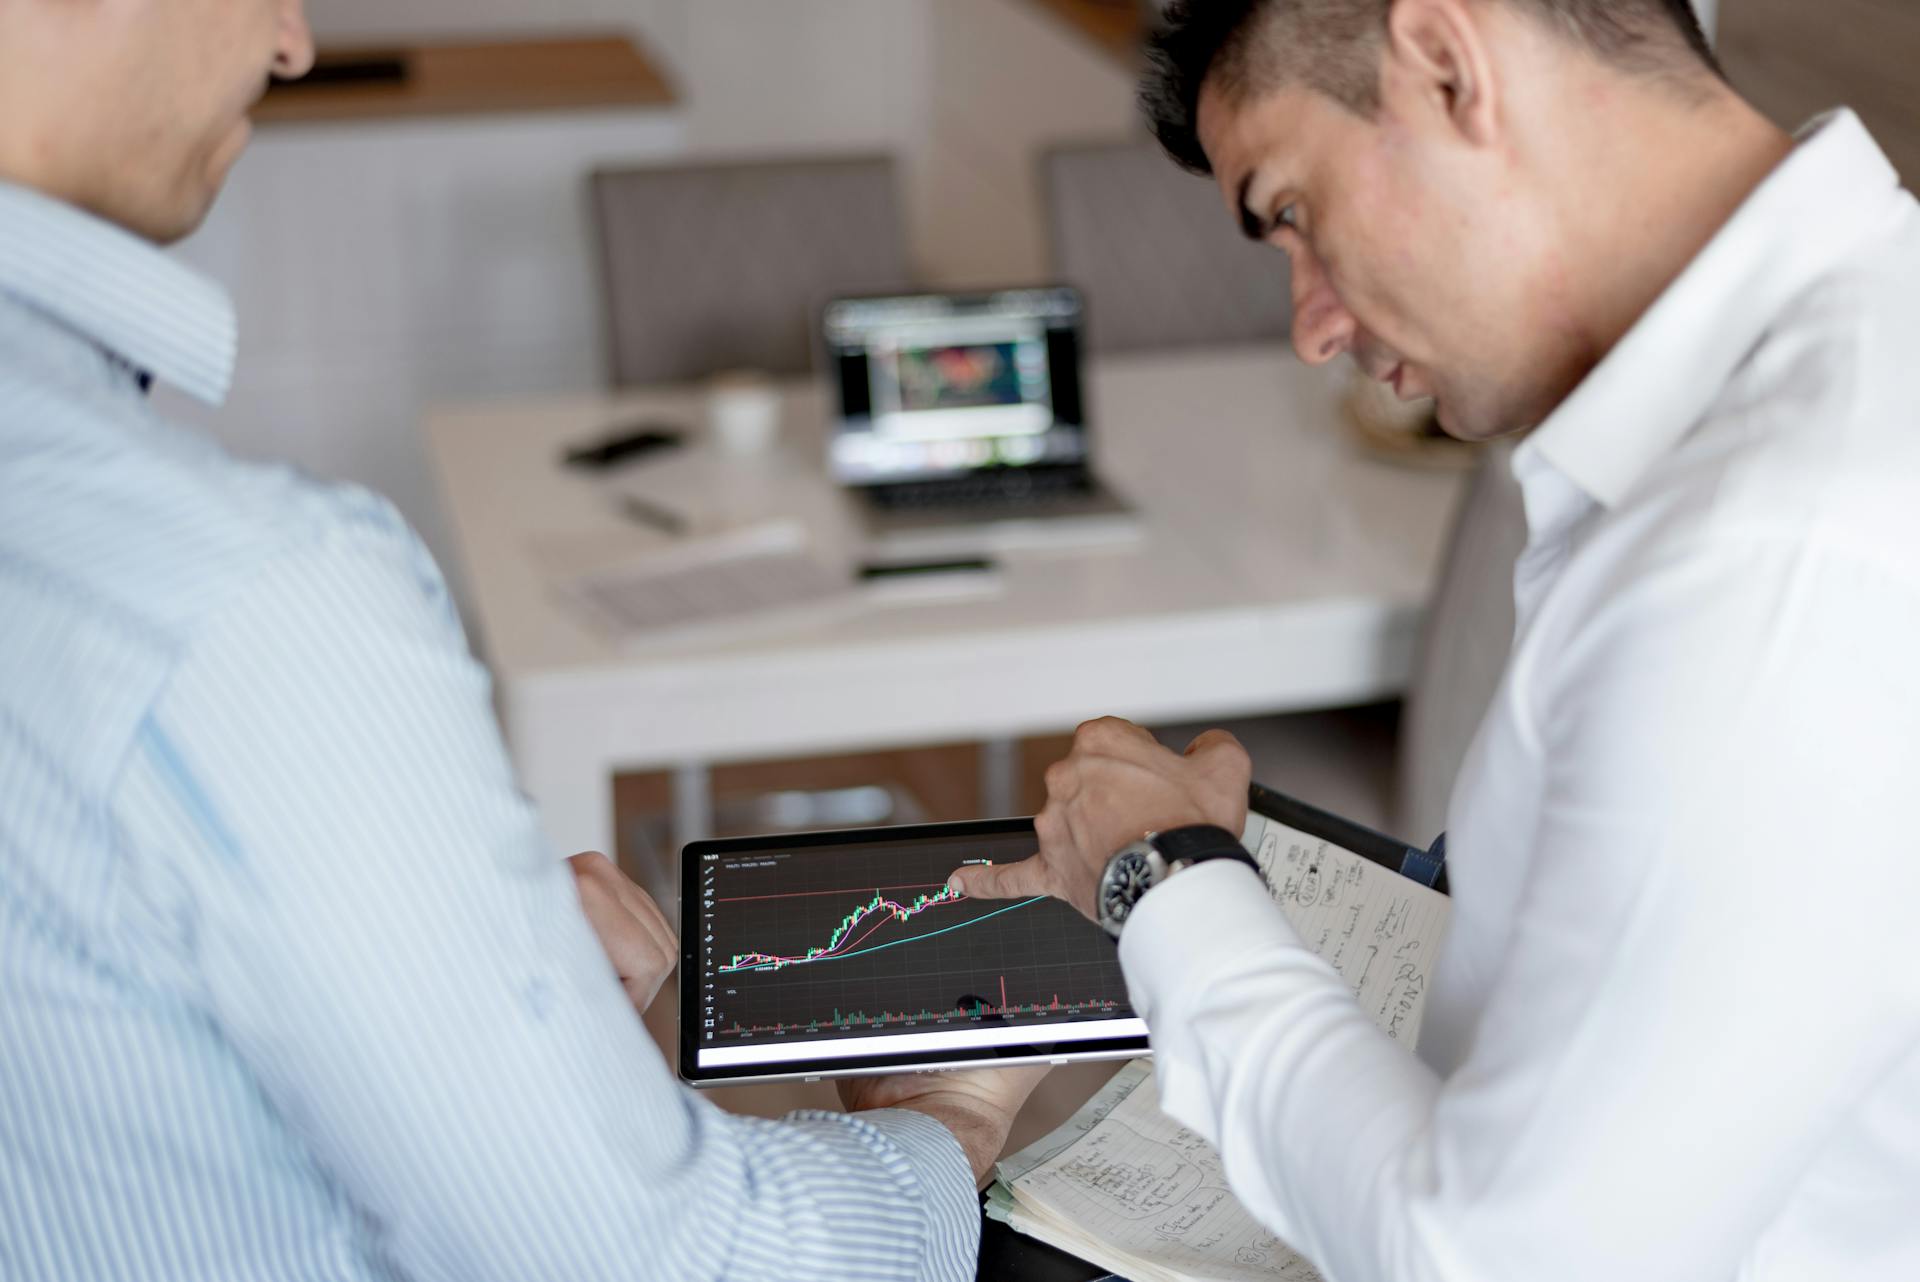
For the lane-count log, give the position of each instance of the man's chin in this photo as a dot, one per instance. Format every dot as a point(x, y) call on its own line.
point(182, 219)
point(196, 197)
point(233, 144)
point(1471, 427)
point(227, 154)
point(1461, 427)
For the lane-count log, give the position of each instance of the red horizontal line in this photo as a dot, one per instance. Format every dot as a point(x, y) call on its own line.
point(850, 890)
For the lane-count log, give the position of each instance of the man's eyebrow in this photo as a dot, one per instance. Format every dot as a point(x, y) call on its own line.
point(1252, 225)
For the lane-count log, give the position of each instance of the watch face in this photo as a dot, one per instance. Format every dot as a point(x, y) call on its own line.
point(1129, 875)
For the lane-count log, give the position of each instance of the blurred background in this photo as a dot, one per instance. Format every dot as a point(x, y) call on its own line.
point(486, 233)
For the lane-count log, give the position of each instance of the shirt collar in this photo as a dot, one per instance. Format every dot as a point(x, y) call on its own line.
point(1827, 196)
point(123, 293)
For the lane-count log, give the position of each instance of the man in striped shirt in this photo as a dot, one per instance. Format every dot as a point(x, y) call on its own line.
point(289, 986)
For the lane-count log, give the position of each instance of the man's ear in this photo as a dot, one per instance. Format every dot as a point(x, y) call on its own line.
point(1441, 53)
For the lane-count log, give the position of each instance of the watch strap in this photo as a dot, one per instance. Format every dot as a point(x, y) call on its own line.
point(1198, 842)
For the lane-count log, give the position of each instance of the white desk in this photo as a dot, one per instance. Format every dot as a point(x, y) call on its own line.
point(1281, 570)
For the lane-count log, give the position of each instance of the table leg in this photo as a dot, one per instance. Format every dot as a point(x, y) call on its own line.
point(692, 803)
point(999, 777)
point(574, 794)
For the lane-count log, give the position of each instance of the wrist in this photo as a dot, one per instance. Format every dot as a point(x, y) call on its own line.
point(981, 1133)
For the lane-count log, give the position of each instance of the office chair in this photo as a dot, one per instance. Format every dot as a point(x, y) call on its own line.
point(1159, 258)
point(713, 267)
point(1464, 645)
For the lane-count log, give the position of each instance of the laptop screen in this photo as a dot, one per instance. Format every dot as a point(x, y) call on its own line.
point(936, 385)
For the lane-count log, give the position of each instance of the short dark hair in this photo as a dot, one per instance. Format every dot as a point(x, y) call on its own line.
point(1333, 46)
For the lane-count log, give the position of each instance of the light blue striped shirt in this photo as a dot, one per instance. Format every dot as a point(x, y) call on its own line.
point(290, 986)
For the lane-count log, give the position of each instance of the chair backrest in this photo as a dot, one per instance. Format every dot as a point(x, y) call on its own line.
point(1464, 645)
point(718, 267)
point(1158, 257)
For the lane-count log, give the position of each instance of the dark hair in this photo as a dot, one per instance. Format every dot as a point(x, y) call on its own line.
point(1333, 46)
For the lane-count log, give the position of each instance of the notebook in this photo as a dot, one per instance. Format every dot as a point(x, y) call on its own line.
point(712, 587)
point(1130, 1189)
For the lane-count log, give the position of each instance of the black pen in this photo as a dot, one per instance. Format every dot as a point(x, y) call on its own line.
point(648, 513)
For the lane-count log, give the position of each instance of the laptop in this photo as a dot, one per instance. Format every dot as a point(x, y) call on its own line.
point(960, 421)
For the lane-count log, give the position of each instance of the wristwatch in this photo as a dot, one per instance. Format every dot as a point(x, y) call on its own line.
point(1141, 865)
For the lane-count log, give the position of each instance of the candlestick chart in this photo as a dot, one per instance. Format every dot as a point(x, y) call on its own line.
point(868, 940)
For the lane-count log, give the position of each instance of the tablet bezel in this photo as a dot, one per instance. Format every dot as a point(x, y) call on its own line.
point(1034, 1052)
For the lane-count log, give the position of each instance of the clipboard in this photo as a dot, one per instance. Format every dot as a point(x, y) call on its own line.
point(1425, 866)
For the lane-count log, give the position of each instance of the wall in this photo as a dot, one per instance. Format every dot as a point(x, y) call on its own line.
point(963, 90)
point(1795, 59)
point(1006, 81)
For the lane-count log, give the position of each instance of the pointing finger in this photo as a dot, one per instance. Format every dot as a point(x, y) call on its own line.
point(1002, 881)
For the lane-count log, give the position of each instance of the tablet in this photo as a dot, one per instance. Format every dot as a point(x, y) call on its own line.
point(842, 953)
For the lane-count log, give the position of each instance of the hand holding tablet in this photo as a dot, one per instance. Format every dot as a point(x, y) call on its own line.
point(978, 1105)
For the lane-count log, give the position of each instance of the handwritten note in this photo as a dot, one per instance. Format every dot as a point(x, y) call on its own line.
point(1379, 930)
point(1140, 1194)
point(1128, 1188)
point(1090, 1115)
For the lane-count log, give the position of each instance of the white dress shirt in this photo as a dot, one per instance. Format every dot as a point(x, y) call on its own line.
point(291, 987)
point(1675, 1029)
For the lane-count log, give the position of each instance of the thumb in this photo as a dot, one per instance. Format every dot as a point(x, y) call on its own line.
point(1211, 743)
point(1223, 757)
point(1001, 881)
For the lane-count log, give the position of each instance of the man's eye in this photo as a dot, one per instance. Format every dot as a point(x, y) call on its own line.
point(1289, 217)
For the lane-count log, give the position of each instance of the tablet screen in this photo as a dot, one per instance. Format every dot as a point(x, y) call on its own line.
point(835, 953)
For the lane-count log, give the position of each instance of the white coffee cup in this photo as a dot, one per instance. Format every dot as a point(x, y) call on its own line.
point(743, 411)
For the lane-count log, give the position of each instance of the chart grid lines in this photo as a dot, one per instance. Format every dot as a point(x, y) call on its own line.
point(773, 921)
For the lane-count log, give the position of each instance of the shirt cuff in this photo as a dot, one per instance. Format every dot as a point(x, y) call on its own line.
point(1198, 925)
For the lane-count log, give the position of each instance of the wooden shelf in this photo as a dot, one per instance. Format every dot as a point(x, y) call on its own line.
point(1117, 26)
point(395, 82)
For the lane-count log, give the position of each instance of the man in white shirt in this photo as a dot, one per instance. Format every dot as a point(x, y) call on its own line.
point(1675, 1031)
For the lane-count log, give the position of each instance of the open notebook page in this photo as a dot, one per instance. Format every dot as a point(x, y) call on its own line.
point(1379, 930)
point(1142, 1195)
point(1125, 1186)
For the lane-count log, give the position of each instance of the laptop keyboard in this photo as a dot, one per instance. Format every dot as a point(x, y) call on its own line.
point(1010, 487)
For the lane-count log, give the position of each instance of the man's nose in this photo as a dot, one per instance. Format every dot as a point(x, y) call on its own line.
point(293, 56)
point(1323, 328)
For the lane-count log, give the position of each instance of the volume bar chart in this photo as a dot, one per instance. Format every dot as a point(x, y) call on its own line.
point(979, 1011)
